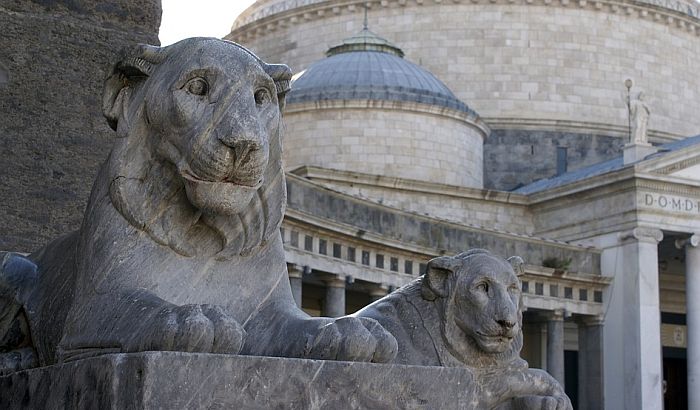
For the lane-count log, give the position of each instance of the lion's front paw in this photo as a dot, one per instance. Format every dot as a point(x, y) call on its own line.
point(352, 339)
point(191, 328)
point(541, 403)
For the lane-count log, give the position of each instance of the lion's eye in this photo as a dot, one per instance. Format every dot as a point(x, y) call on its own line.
point(197, 86)
point(262, 96)
point(483, 287)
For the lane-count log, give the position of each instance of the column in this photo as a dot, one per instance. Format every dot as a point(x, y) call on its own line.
point(590, 363)
point(692, 318)
point(335, 297)
point(295, 281)
point(555, 345)
point(377, 292)
point(639, 327)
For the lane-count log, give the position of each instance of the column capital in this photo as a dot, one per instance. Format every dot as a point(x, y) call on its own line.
point(649, 235)
point(294, 270)
point(335, 282)
point(596, 320)
point(379, 290)
point(692, 241)
point(555, 315)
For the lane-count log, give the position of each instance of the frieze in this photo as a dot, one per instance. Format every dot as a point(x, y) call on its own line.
point(667, 202)
point(671, 12)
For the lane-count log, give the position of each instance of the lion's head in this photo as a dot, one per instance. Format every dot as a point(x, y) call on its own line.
point(197, 164)
point(478, 298)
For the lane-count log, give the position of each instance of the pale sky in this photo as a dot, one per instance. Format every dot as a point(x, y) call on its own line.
point(201, 18)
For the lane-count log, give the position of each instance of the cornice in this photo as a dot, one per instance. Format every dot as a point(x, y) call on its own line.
point(392, 183)
point(256, 21)
point(579, 127)
point(469, 227)
point(469, 118)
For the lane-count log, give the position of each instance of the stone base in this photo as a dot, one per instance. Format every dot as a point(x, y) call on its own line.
point(637, 152)
point(173, 380)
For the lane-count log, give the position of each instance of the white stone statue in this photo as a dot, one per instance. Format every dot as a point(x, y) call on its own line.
point(639, 112)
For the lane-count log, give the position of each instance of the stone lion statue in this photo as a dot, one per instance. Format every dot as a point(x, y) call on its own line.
point(180, 246)
point(466, 311)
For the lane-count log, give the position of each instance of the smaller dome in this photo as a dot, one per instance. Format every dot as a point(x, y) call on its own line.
point(368, 67)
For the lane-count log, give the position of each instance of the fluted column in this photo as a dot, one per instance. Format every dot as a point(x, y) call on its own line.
point(295, 281)
point(555, 345)
point(640, 327)
point(692, 318)
point(335, 298)
point(590, 363)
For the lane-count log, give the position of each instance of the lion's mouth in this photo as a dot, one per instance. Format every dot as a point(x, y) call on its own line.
point(249, 183)
point(501, 337)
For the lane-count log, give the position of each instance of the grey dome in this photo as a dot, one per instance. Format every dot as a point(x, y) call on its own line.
point(367, 67)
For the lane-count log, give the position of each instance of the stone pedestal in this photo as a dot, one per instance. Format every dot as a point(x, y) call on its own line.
point(335, 298)
point(173, 380)
point(637, 152)
point(555, 345)
point(590, 364)
point(295, 281)
point(692, 290)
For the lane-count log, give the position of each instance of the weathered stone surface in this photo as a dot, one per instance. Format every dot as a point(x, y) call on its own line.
point(52, 66)
point(513, 158)
point(170, 380)
point(180, 247)
point(466, 311)
point(412, 228)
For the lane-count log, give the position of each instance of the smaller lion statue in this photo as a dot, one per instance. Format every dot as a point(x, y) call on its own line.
point(466, 311)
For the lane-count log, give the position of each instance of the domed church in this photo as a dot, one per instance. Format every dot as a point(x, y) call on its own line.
point(562, 131)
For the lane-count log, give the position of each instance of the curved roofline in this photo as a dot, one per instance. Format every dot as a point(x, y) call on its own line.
point(678, 13)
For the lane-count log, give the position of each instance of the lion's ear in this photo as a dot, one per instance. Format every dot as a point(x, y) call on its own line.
point(136, 64)
point(518, 265)
point(436, 279)
point(282, 76)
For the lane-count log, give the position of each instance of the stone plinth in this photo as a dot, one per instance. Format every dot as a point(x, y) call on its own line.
point(171, 380)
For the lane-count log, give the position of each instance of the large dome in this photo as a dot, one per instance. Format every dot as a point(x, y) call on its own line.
point(365, 109)
point(367, 67)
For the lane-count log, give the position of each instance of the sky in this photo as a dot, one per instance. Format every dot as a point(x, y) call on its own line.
point(201, 18)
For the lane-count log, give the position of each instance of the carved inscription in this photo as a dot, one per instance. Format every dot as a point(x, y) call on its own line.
point(670, 202)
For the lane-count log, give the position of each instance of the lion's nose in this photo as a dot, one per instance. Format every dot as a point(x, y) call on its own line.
point(506, 324)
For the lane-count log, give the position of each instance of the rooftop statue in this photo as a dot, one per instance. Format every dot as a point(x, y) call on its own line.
point(180, 247)
point(639, 110)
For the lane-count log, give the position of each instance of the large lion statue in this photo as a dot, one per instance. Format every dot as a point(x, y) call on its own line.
point(466, 311)
point(180, 246)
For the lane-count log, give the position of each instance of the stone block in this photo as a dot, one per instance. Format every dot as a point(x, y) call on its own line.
point(172, 380)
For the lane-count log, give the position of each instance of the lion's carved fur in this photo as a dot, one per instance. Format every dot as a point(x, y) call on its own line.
point(180, 246)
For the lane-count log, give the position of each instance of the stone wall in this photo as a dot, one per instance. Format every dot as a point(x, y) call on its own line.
point(53, 59)
point(388, 142)
point(476, 207)
point(536, 62)
point(513, 158)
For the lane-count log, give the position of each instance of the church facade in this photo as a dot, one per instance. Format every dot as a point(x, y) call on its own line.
point(505, 125)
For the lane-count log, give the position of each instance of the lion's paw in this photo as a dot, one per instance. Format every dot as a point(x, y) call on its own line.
point(353, 339)
point(192, 328)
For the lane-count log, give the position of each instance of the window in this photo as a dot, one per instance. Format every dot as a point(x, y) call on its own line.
point(322, 246)
point(308, 243)
point(394, 264)
point(336, 250)
point(408, 267)
point(365, 258)
point(380, 261)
